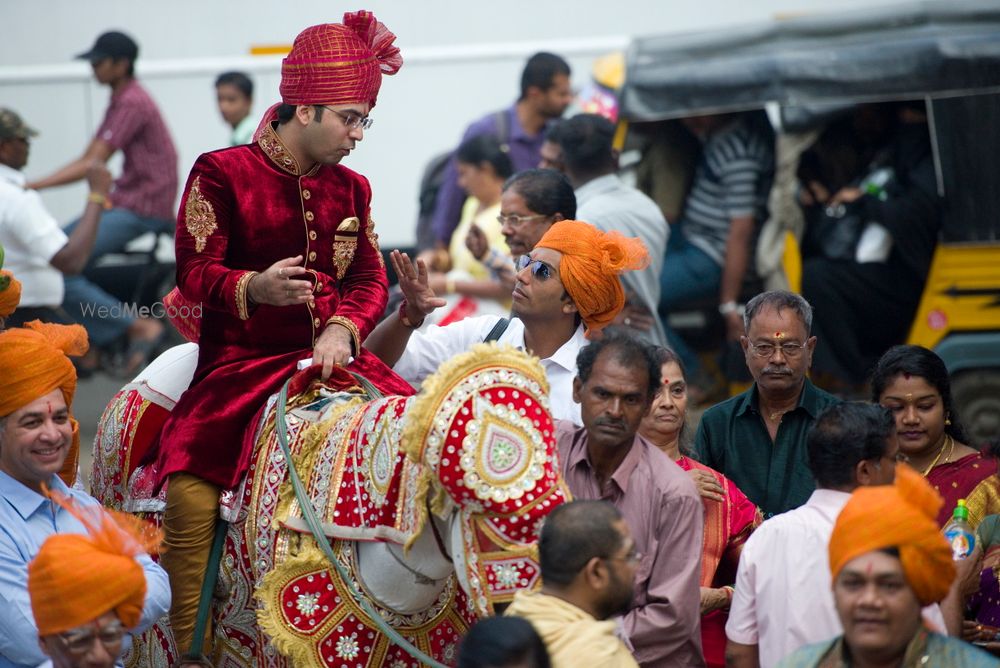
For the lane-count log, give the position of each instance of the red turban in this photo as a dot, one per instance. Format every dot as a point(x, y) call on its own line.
point(903, 516)
point(76, 578)
point(10, 293)
point(591, 263)
point(33, 362)
point(336, 63)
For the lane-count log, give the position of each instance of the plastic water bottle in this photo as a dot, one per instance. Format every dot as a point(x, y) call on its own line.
point(959, 534)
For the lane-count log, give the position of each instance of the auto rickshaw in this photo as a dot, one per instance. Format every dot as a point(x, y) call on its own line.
point(801, 69)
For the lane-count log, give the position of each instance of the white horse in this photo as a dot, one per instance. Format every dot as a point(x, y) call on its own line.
point(429, 505)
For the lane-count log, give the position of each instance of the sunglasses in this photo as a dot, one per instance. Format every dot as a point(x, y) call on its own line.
point(539, 269)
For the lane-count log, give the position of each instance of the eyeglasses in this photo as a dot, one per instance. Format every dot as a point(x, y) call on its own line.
point(80, 641)
point(515, 220)
point(632, 558)
point(788, 349)
point(351, 120)
point(539, 269)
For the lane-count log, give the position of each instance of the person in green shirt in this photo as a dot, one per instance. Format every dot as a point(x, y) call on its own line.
point(758, 438)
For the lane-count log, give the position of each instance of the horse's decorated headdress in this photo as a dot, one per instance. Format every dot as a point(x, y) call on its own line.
point(483, 430)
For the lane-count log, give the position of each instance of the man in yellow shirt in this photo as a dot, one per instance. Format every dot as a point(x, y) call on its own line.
point(588, 562)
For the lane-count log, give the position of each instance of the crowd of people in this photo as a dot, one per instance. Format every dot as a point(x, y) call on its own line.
point(787, 528)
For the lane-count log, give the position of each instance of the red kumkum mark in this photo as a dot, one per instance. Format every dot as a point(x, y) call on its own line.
point(907, 375)
point(779, 335)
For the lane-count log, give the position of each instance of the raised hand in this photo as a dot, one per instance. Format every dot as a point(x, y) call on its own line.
point(477, 243)
point(414, 284)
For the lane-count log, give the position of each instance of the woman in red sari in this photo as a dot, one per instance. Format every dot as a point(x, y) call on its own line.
point(729, 515)
point(913, 383)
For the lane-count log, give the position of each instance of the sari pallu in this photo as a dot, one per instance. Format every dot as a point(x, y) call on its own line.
point(728, 524)
point(962, 479)
point(985, 603)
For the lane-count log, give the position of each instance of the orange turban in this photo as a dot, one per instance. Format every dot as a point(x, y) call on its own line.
point(10, 293)
point(33, 362)
point(591, 263)
point(337, 63)
point(902, 516)
point(76, 578)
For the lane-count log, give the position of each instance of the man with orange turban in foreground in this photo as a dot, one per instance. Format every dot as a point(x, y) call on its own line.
point(566, 291)
point(87, 591)
point(888, 559)
point(38, 442)
point(276, 242)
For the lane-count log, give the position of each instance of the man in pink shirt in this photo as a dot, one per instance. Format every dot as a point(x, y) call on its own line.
point(607, 459)
point(143, 198)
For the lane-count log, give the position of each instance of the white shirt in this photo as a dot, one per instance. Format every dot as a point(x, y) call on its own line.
point(30, 237)
point(431, 345)
point(783, 598)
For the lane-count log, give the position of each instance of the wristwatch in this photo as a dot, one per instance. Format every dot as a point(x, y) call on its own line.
point(731, 307)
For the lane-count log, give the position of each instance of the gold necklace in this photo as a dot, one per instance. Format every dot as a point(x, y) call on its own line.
point(948, 440)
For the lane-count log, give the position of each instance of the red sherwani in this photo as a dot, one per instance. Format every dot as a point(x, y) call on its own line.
point(245, 208)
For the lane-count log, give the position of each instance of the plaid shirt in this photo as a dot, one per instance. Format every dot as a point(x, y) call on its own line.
point(133, 125)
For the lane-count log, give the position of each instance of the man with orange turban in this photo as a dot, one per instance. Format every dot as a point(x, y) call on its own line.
point(87, 590)
point(888, 558)
point(276, 242)
point(566, 291)
point(38, 441)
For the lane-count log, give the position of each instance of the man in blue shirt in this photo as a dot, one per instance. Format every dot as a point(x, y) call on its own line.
point(37, 433)
point(545, 95)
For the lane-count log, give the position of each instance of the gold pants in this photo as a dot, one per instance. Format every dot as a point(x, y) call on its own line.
point(189, 525)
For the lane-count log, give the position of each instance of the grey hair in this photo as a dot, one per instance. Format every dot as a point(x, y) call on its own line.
point(779, 300)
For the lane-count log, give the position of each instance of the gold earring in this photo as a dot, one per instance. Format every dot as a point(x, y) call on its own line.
point(947, 422)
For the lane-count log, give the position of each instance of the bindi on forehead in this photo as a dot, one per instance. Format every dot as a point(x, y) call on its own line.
point(779, 334)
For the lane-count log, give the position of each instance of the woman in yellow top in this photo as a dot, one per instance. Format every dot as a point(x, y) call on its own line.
point(473, 286)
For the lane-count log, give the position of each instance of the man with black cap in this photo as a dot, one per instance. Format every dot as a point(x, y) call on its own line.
point(144, 195)
point(38, 252)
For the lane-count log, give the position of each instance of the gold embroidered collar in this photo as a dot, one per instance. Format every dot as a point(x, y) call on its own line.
point(274, 149)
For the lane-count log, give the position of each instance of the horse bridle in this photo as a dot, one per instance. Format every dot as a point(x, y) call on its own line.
point(437, 534)
point(312, 521)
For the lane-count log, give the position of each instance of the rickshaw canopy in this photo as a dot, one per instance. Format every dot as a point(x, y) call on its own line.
point(905, 51)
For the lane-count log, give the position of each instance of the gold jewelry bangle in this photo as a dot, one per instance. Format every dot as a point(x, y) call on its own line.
point(97, 198)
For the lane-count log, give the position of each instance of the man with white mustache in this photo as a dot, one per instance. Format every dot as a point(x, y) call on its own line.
point(758, 438)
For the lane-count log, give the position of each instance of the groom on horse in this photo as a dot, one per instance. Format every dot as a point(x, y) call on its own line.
point(276, 241)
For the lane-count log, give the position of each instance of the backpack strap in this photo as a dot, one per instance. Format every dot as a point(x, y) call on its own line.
point(497, 331)
point(503, 130)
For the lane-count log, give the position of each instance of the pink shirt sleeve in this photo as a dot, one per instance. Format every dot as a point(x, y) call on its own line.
point(121, 124)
